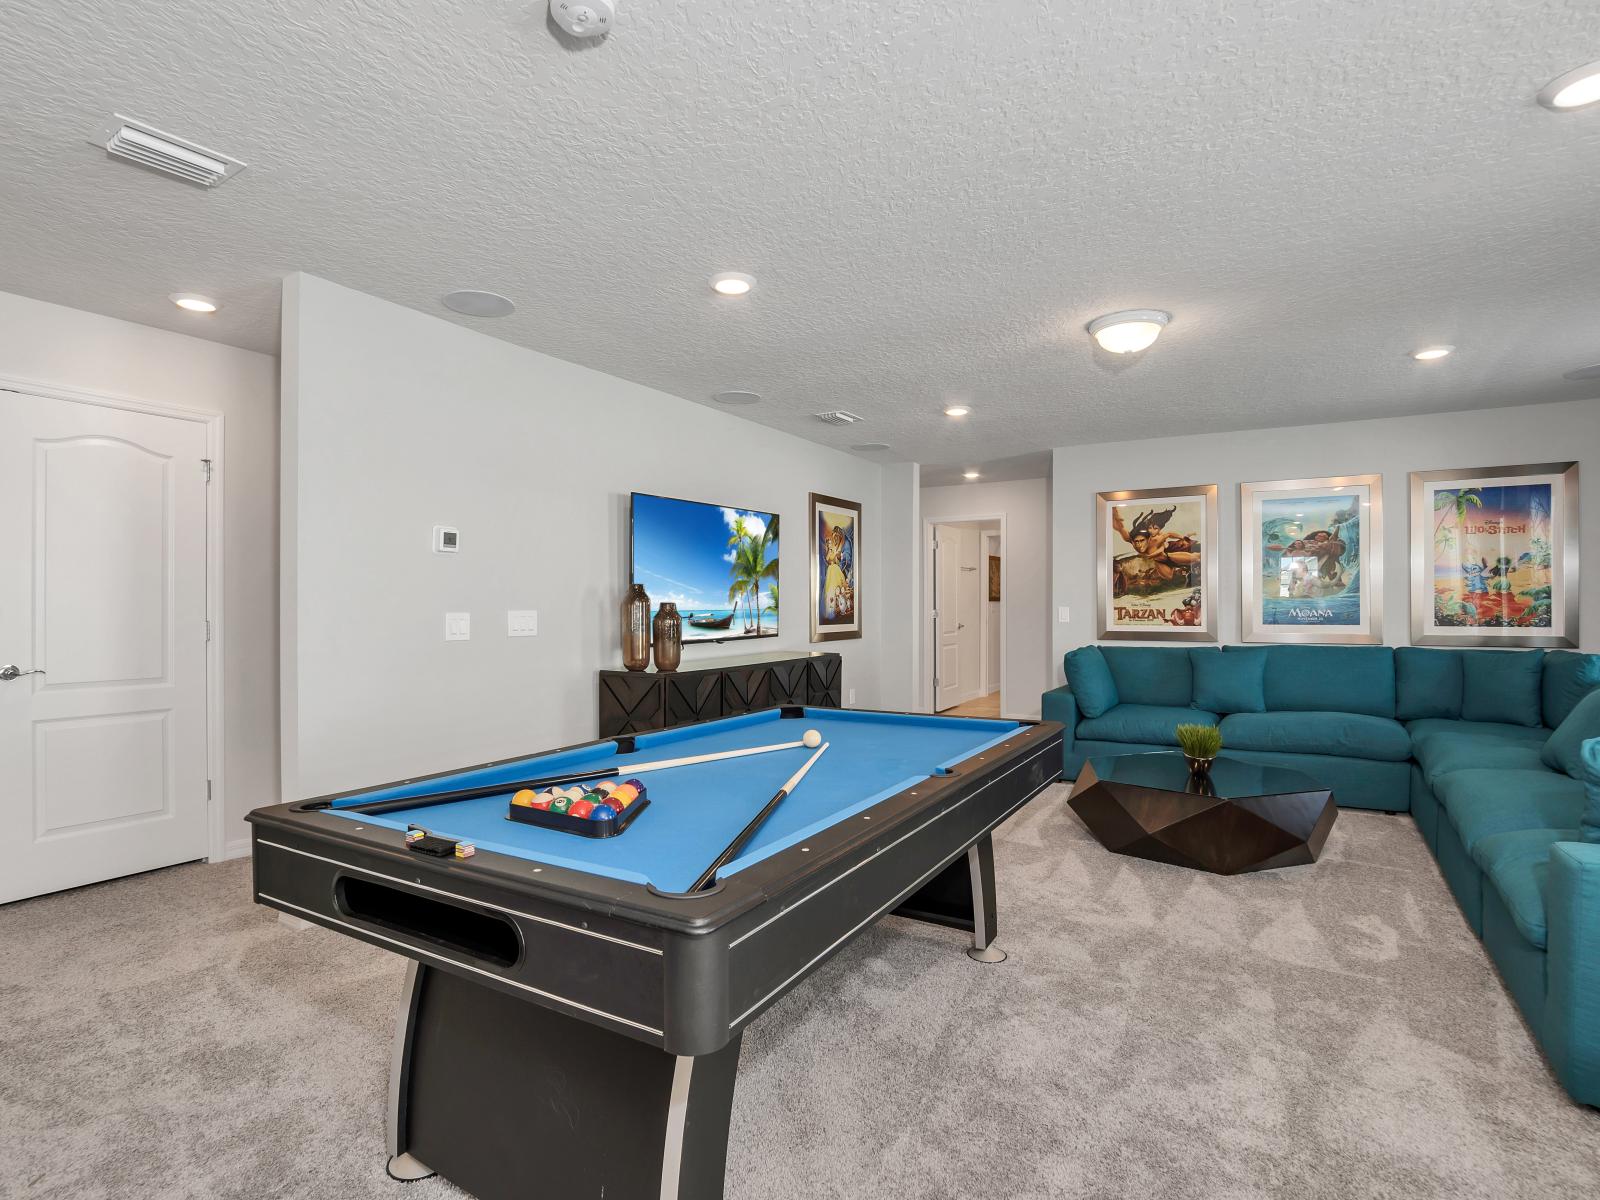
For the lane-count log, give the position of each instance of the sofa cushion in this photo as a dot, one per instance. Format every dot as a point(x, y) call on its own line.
point(1568, 677)
point(1158, 675)
point(1152, 724)
point(1563, 752)
point(1590, 822)
point(1090, 680)
point(1346, 735)
point(1427, 682)
point(1356, 679)
point(1440, 753)
point(1481, 802)
point(1429, 726)
point(1502, 686)
point(1517, 864)
point(1229, 683)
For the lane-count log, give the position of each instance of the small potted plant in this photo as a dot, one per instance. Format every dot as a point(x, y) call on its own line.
point(1200, 745)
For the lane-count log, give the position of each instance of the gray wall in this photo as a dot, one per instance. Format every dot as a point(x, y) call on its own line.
point(395, 421)
point(1392, 447)
point(49, 344)
point(1025, 504)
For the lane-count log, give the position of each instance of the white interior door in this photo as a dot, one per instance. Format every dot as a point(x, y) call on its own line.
point(103, 596)
point(947, 625)
point(969, 620)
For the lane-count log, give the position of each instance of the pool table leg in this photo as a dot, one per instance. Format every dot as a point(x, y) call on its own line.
point(985, 925)
point(962, 897)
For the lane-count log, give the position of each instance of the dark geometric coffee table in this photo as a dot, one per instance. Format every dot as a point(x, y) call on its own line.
point(1250, 817)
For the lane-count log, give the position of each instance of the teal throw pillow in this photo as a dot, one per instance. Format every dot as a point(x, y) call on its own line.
point(1501, 686)
point(1591, 790)
point(1234, 682)
point(1563, 752)
point(1427, 683)
point(1089, 677)
point(1568, 678)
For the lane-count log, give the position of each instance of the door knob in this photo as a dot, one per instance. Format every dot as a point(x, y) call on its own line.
point(8, 673)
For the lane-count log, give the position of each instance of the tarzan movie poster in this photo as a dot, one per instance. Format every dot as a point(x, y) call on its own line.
point(1156, 578)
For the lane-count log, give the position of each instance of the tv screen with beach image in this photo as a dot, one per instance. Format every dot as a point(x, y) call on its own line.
point(718, 564)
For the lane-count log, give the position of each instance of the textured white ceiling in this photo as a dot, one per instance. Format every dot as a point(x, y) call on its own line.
point(935, 196)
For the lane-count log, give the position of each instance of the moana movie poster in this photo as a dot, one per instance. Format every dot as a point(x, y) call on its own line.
point(1312, 560)
point(1156, 568)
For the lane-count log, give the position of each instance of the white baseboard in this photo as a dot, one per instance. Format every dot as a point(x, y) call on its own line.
point(236, 848)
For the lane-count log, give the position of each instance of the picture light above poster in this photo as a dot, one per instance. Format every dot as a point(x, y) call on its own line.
point(1311, 560)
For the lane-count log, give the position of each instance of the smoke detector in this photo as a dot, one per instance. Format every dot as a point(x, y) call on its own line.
point(123, 137)
point(584, 18)
point(838, 417)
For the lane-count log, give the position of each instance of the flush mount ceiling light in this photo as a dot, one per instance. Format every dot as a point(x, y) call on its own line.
point(1128, 332)
point(194, 302)
point(956, 410)
point(1432, 353)
point(473, 303)
point(865, 446)
point(970, 475)
point(1578, 88)
point(737, 397)
point(732, 283)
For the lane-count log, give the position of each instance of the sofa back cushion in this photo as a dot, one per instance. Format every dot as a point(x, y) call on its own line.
point(1564, 751)
point(1090, 680)
point(1427, 683)
point(1229, 683)
point(1158, 675)
point(1590, 822)
point(1502, 686)
point(1568, 678)
point(1352, 679)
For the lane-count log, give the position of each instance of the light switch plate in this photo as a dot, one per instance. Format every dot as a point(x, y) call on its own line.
point(522, 622)
point(1064, 615)
point(457, 627)
point(852, 698)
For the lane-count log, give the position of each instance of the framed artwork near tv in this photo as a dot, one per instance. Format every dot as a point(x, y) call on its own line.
point(1156, 564)
point(835, 568)
point(1311, 560)
point(1494, 556)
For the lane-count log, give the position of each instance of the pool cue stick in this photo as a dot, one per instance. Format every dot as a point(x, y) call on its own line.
point(425, 799)
point(745, 834)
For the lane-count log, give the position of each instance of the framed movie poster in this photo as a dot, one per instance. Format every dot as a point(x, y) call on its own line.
point(1156, 564)
point(1311, 553)
point(1494, 556)
point(835, 568)
point(994, 577)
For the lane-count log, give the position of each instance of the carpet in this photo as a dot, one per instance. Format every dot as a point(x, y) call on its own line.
point(1323, 1031)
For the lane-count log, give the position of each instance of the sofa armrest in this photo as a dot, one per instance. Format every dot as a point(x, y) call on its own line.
point(1060, 705)
point(1572, 1005)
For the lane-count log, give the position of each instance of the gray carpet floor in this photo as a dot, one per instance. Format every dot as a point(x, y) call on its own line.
point(1324, 1031)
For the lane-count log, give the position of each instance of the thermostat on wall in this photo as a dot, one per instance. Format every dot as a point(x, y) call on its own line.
point(446, 540)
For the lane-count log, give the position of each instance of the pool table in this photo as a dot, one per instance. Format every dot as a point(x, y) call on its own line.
point(571, 1017)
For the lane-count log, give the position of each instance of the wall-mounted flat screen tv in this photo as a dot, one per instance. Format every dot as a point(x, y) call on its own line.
point(717, 563)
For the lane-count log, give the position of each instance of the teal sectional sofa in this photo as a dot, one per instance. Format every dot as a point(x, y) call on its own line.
point(1494, 753)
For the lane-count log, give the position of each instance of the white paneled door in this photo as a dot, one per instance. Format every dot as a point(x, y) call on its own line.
point(102, 643)
point(948, 626)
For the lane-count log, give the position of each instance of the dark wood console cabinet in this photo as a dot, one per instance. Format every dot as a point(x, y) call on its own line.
point(638, 701)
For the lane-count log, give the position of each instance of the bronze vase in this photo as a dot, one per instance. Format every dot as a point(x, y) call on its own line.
point(636, 629)
point(668, 637)
point(1199, 768)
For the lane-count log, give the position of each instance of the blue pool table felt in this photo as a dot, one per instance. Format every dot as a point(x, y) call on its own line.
point(695, 811)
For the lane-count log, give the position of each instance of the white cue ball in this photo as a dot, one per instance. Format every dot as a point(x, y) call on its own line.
point(812, 739)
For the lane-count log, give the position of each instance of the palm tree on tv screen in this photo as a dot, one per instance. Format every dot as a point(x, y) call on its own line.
point(750, 568)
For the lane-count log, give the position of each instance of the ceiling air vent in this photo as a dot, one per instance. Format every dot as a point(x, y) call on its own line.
point(147, 146)
point(838, 417)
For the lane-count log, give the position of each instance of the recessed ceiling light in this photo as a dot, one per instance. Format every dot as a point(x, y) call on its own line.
point(956, 410)
point(970, 475)
point(1432, 353)
point(737, 397)
point(1128, 332)
point(194, 302)
point(732, 283)
point(472, 303)
point(1578, 88)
